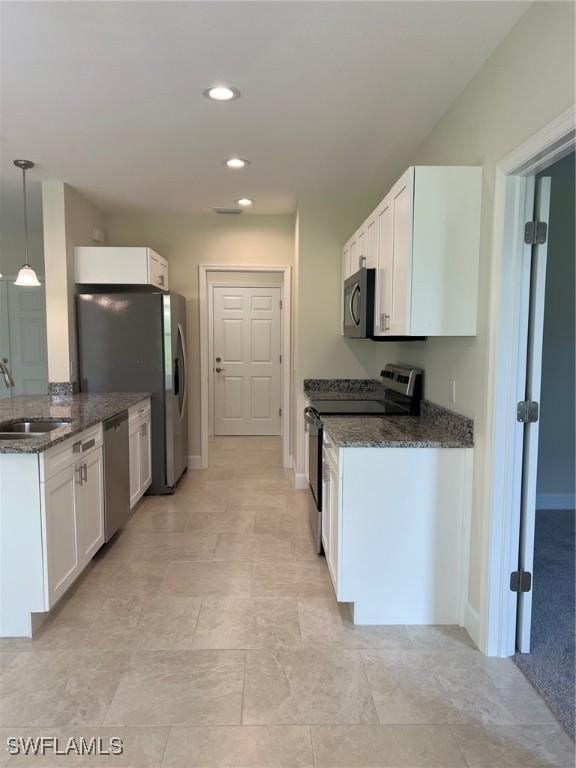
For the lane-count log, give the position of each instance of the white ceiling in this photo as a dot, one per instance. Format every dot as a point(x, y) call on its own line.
point(108, 96)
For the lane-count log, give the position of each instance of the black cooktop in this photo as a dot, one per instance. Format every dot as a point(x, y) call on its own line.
point(357, 407)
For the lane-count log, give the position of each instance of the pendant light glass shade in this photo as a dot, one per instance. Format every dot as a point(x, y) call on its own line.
point(26, 276)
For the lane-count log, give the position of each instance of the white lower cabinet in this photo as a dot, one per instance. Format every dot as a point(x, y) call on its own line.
point(395, 531)
point(91, 506)
point(73, 513)
point(140, 447)
point(62, 544)
point(51, 525)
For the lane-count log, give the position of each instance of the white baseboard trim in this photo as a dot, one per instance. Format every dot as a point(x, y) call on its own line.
point(300, 482)
point(472, 623)
point(194, 462)
point(555, 501)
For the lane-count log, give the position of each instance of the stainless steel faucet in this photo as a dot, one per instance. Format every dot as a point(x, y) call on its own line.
point(5, 371)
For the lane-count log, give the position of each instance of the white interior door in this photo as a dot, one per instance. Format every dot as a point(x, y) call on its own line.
point(247, 366)
point(535, 307)
point(27, 329)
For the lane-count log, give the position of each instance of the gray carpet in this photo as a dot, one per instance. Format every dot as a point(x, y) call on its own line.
point(550, 665)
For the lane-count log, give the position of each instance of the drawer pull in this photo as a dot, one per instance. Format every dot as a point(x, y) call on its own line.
point(88, 444)
point(77, 447)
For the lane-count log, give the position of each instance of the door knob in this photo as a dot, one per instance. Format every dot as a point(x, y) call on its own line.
point(219, 370)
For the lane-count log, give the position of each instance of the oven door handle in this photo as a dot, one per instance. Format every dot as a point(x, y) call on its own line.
point(311, 416)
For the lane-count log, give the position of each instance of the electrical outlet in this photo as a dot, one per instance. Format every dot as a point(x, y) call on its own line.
point(452, 390)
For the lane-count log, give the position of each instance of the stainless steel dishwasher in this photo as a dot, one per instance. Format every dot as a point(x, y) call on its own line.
point(116, 474)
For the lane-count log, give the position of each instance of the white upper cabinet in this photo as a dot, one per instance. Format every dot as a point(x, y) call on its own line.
point(120, 265)
point(424, 241)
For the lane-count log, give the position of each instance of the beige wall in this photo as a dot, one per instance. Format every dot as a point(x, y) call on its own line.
point(69, 220)
point(189, 240)
point(527, 82)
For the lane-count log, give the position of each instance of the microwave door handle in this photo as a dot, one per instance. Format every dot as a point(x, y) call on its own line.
point(355, 320)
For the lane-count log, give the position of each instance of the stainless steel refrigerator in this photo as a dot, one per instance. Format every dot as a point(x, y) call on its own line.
point(136, 342)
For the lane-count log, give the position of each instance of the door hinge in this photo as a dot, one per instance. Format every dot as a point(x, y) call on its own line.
point(527, 411)
point(280, 357)
point(535, 232)
point(280, 303)
point(520, 581)
point(279, 411)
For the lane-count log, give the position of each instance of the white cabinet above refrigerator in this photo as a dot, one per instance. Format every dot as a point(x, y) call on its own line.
point(120, 265)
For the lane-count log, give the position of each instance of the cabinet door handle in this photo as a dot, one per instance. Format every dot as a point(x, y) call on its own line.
point(385, 321)
point(85, 473)
point(143, 430)
point(78, 471)
point(161, 279)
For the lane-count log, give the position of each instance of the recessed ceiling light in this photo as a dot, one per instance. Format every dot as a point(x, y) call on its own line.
point(244, 202)
point(222, 93)
point(236, 162)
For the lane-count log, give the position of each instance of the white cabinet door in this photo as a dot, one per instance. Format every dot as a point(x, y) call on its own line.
point(60, 500)
point(326, 500)
point(399, 308)
point(384, 260)
point(345, 256)
point(134, 456)
point(371, 243)
point(158, 270)
point(394, 259)
point(331, 515)
point(334, 525)
point(352, 256)
point(145, 453)
point(140, 450)
point(361, 243)
point(90, 506)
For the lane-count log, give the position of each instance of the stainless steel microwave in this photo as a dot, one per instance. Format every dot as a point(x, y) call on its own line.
point(359, 304)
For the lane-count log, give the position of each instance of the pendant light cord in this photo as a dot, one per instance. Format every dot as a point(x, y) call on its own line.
point(25, 217)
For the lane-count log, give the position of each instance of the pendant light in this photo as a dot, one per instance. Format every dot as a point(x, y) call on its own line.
point(26, 276)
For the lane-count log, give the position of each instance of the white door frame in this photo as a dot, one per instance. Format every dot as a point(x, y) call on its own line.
point(211, 378)
point(205, 324)
point(507, 342)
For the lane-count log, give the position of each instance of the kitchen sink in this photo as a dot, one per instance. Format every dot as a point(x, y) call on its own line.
point(29, 428)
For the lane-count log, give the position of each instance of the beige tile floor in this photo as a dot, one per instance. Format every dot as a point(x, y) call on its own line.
point(207, 635)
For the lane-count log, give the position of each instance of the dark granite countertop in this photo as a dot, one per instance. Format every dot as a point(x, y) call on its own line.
point(393, 432)
point(81, 411)
point(436, 427)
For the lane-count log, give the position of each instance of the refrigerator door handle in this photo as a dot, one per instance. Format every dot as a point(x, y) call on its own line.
point(184, 383)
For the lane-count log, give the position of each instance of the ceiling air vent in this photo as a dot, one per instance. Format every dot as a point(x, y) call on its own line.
point(227, 211)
